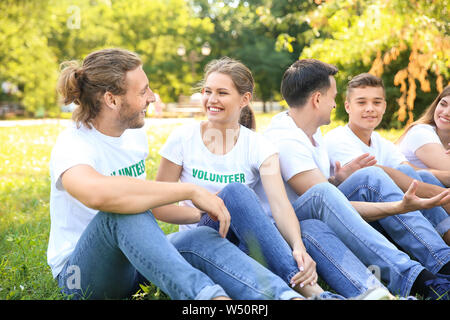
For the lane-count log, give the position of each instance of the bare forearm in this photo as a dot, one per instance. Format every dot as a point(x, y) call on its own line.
point(443, 176)
point(122, 194)
point(424, 190)
point(289, 227)
point(175, 214)
point(372, 211)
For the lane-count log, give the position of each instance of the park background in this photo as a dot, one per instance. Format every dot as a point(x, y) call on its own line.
point(406, 43)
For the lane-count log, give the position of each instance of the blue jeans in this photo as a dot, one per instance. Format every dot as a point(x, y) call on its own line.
point(326, 203)
point(437, 216)
point(253, 231)
point(116, 252)
point(241, 276)
point(411, 230)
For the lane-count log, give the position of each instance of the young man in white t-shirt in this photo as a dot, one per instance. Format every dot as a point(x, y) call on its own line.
point(365, 104)
point(309, 88)
point(104, 240)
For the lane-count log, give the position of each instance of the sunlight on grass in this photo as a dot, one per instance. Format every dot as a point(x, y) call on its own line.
point(24, 205)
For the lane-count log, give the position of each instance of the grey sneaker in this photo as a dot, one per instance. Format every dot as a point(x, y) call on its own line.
point(375, 293)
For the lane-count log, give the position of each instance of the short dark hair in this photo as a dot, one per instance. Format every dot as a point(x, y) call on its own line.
point(364, 80)
point(304, 77)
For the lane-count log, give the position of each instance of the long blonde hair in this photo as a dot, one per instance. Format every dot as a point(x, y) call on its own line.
point(85, 84)
point(428, 115)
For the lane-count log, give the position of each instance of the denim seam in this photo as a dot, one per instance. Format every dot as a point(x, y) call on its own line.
point(334, 262)
point(149, 264)
point(439, 261)
point(238, 235)
point(85, 293)
point(412, 277)
point(406, 227)
point(380, 198)
point(243, 239)
point(290, 274)
point(443, 226)
point(244, 281)
point(319, 195)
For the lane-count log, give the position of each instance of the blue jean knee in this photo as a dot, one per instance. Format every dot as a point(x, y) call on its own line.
point(231, 236)
point(335, 263)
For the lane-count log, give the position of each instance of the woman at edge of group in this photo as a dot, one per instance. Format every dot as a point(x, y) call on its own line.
point(211, 145)
point(426, 141)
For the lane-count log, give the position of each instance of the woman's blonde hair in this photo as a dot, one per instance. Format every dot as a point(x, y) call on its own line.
point(243, 80)
point(428, 115)
point(101, 71)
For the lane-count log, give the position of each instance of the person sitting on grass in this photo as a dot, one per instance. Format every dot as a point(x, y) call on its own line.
point(309, 88)
point(226, 156)
point(426, 142)
point(365, 104)
point(104, 238)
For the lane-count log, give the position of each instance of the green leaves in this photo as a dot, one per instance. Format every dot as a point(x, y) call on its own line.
point(371, 36)
point(36, 36)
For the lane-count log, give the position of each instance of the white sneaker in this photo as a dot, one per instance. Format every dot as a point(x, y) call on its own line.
point(375, 293)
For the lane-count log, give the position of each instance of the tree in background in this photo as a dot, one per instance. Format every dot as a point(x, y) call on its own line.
point(26, 61)
point(240, 34)
point(36, 36)
point(405, 42)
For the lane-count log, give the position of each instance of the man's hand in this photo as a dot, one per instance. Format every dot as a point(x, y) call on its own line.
point(411, 202)
point(213, 206)
point(342, 173)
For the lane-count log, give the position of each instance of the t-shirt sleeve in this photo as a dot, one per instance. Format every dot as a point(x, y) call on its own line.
point(294, 158)
point(393, 155)
point(172, 150)
point(418, 136)
point(261, 148)
point(67, 153)
point(341, 149)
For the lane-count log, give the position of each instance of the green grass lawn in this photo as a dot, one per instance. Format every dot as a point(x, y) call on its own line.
point(24, 206)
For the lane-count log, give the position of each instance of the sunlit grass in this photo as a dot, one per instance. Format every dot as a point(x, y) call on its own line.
point(24, 206)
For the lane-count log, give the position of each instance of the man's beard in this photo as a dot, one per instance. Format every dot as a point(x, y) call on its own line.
point(128, 119)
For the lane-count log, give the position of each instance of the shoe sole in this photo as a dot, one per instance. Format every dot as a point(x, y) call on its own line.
point(376, 294)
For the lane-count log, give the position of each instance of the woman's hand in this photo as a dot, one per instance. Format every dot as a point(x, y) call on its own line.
point(308, 274)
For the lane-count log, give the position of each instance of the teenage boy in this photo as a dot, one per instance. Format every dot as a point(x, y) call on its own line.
point(366, 104)
point(309, 88)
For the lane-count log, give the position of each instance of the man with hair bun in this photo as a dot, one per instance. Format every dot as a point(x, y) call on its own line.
point(104, 238)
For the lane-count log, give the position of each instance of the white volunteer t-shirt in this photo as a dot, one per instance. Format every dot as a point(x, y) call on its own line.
point(343, 146)
point(213, 172)
point(296, 152)
point(124, 155)
point(416, 137)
